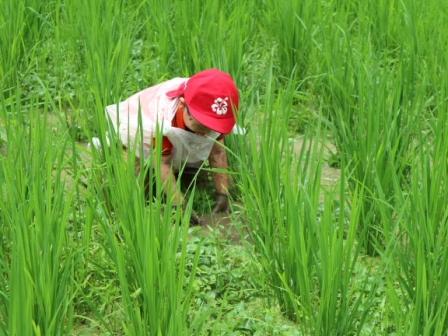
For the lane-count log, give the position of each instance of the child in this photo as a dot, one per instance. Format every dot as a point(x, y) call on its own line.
point(193, 115)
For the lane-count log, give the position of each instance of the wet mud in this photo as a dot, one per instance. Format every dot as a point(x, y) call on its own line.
point(222, 225)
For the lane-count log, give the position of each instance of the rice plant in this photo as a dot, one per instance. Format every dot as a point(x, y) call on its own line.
point(304, 245)
point(35, 207)
point(83, 252)
point(420, 251)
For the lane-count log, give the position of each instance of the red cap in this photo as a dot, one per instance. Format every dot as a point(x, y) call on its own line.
point(212, 99)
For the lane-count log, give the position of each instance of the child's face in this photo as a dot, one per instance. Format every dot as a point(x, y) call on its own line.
point(191, 122)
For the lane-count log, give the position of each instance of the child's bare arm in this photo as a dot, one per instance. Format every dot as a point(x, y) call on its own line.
point(218, 159)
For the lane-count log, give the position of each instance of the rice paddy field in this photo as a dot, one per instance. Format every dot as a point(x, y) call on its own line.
point(339, 218)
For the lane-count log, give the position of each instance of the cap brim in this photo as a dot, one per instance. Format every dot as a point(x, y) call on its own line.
point(220, 125)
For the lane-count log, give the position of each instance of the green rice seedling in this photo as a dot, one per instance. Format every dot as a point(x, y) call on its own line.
point(20, 27)
point(291, 27)
point(156, 34)
point(420, 266)
point(373, 111)
point(379, 91)
point(346, 289)
point(35, 205)
point(381, 21)
point(214, 38)
point(308, 256)
point(105, 39)
point(383, 165)
point(5, 247)
point(199, 35)
point(144, 242)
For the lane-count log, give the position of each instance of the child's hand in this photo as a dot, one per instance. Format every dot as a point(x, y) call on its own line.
point(222, 203)
point(194, 219)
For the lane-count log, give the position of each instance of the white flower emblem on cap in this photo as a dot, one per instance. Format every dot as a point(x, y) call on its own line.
point(220, 106)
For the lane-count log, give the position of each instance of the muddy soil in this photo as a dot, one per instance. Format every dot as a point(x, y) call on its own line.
point(221, 225)
point(330, 175)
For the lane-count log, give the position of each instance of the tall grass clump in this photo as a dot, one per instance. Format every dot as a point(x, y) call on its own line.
point(305, 240)
point(145, 240)
point(104, 41)
point(35, 203)
point(376, 135)
point(374, 101)
point(291, 26)
point(420, 252)
point(20, 31)
point(218, 35)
